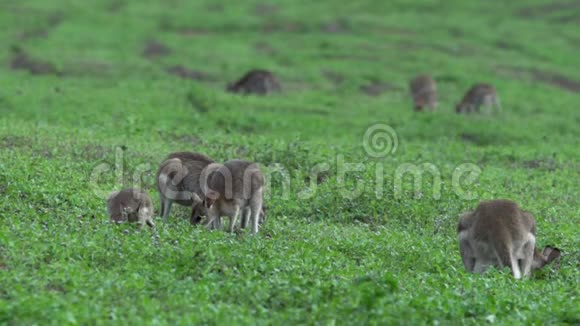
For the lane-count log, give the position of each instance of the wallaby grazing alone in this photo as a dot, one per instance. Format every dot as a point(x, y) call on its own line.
point(235, 188)
point(131, 205)
point(498, 233)
point(256, 81)
point(178, 180)
point(476, 96)
point(424, 92)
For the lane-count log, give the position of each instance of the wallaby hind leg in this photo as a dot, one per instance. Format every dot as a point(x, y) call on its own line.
point(246, 216)
point(528, 253)
point(165, 206)
point(256, 206)
point(234, 219)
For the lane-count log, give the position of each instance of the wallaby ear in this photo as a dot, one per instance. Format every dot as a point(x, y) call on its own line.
point(196, 199)
point(551, 254)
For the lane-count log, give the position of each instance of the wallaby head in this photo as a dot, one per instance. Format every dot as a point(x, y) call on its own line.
point(424, 92)
point(131, 205)
point(498, 233)
point(256, 81)
point(478, 95)
point(545, 257)
point(235, 188)
point(178, 178)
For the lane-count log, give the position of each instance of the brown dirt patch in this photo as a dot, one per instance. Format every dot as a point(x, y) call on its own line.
point(186, 73)
point(458, 50)
point(167, 26)
point(335, 77)
point(51, 22)
point(544, 164)
point(196, 104)
point(22, 61)
point(547, 77)
point(376, 88)
point(10, 141)
point(115, 6)
point(155, 49)
point(337, 26)
point(266, 9)
point(265, 48)
point(287, 27)
point(544, 10)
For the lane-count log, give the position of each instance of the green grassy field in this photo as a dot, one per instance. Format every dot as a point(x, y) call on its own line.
point(101, 114)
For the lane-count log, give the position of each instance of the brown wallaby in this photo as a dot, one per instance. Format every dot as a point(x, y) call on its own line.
point(178, 180)
point(476, 96)
point(257, 81)
point(424, 92)
point(498, 233)
point(131, 205)
point(235, 188)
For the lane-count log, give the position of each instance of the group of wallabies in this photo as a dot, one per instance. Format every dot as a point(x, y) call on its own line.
point(497, 233)
point(233, 189)
point(423, 90)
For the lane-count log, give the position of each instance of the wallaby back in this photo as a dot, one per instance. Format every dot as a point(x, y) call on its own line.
point(131, 205)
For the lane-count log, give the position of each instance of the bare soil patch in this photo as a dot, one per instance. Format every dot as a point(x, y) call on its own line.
point(22, 61)
point(376, 88)
point(51, 22)
point(265, 48)
point(547, 9)
point(187, 73)
point(547, 77)
point(266, 9)
point(335, 77)
point(155, 49)
point(337, 26)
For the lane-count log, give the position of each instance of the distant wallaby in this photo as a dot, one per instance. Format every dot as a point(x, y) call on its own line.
point(131, 205)
point(235, 188)
point(256, 81)
point(498, 233)
point(478, 95)
point(424, 92)
point(178, 180)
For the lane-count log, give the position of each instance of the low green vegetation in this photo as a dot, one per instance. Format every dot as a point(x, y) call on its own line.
point(87, 105)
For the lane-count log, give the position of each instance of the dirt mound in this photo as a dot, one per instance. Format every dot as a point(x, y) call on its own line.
point(547, 77)
point(257, 81)
point(154, 49)
point(22, 61)
point(186, 73)
point(376, 88)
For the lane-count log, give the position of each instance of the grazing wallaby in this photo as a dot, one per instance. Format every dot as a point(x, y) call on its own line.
point(424, 92)
point(131, 205)
point(178, 180)
point(256, 81)
point(498, 233)
point(476, 96)
point(235, 188)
